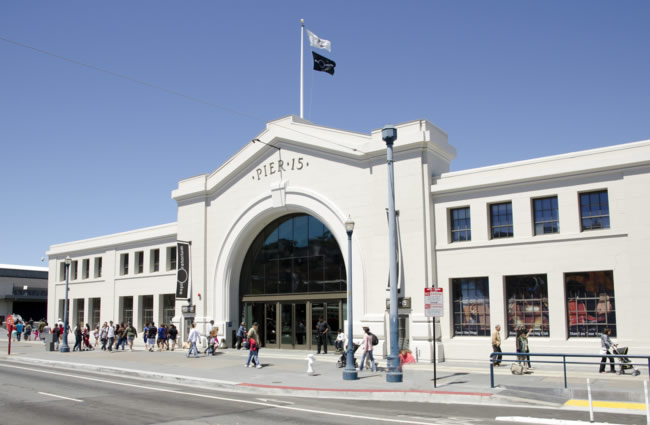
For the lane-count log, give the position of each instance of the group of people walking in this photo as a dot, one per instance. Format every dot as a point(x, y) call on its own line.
point(163, 337)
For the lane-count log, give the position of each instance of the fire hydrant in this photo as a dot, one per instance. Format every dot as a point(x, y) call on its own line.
point(310, 365)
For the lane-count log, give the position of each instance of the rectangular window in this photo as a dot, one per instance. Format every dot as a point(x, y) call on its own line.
point(85, 269)
point(126, 313)
point(73, 270)
point(594, 210)
point(547, 219)
point(124, 264)
point(471, 306)
point(527, 298)
point(171, 258)
point(98, 267)
point(461, 229)
point(590, 303)
point(501, 220)
point(62, 271)
point(154, 260)
point(139, 262)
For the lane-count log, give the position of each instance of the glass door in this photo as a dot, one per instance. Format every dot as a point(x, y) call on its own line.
point(301, 325)
point(286, 325)
point(270, 336)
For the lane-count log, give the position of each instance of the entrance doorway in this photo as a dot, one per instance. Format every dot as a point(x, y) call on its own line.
point(291, 324)
point(293, 274)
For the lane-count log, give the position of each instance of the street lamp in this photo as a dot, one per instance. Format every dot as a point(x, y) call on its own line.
point(350, 372)
point(65, 348)
point(389, 134)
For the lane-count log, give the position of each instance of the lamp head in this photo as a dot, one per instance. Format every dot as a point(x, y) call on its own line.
point(349, 225)
point(68, 260)
point(389, 134)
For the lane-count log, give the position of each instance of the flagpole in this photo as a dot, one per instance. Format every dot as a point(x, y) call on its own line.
point(302, 64)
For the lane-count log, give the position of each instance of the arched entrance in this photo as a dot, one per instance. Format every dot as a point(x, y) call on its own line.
point(292, 274)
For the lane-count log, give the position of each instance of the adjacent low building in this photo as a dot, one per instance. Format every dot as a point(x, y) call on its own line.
point(23, 291)
point(555, 244)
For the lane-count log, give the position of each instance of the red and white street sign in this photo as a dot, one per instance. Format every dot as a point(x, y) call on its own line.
point(433, 302)
point(10, 321)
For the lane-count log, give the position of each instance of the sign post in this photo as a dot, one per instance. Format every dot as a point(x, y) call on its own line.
point(10, 328)
point(433, 307)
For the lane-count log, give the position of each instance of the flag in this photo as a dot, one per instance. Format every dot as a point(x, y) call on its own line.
point(321, 63)
point(318, 42)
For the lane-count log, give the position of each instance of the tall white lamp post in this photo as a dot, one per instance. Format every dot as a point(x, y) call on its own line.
point(350, 372)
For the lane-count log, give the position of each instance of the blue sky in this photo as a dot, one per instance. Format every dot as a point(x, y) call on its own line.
point(85, 153)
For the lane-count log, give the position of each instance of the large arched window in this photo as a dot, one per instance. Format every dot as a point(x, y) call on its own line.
point(293, 254)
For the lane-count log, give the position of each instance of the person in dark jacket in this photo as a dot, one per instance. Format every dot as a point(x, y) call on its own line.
point(77, 338)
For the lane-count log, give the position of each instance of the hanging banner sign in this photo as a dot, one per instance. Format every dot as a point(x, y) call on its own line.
point(183, 272)
point(433, 302)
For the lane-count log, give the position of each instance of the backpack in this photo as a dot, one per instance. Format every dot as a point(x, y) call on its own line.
point(375, 340)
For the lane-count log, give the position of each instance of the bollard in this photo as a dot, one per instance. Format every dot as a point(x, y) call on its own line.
point(591, 406)
point(310, 365)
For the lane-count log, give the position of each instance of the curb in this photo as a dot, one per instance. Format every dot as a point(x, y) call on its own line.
point(430, 396)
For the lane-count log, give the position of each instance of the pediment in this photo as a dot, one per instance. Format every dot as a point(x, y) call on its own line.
point(293, 135)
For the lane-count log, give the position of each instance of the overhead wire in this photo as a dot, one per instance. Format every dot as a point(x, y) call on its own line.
point(169, 91)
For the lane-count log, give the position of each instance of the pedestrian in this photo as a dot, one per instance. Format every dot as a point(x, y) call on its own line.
point(57, 332)
point(322, 329)
point(254, 346)
point(110, 333)
point(162, 336)
point(172, 335)
point(86, 338)
point(241, 335)
point(496, 345)
point(19, 329)
point(151, 338)
point(606, 347)
point(96, 335)
point(77, 337)
point(145, 335)
point(340, 341)
point(193, 338)
point(119, 332)
point(523, 347)
point(131, 334)
point(103, 335)
point(28, 332)
point(367, 348)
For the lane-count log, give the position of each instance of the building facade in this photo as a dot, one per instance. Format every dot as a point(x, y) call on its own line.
point(554, 244)
point(23, 291)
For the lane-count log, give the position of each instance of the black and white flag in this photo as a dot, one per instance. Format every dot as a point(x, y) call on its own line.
point(321, 63)
point(183, 271)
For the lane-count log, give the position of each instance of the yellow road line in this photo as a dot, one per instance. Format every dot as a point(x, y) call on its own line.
point(607, 404)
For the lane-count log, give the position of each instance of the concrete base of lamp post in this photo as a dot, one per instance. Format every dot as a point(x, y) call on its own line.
point(350, 375)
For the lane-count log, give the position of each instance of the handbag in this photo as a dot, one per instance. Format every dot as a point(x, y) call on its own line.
point(517, 369)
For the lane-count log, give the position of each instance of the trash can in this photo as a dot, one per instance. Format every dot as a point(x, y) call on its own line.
point(234, 338)
point(49, 342)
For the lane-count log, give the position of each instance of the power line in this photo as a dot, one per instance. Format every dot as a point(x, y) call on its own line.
point(166, 90)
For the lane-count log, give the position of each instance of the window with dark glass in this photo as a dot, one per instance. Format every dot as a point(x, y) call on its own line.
point(461, 228)
point(98, 267)
point(594, 210)
point(547, 219)
point(124, 264)
point(471, 306)
point(590, 303)
point(73, 268)
point(171, 258)
point(501, 220)
point(139, 262)
point(85, 268)
point(293, 254)
point(527, 299)
point(154, 260)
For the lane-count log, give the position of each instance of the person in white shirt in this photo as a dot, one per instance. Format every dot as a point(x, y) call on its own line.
point(340, 341)
point(367, 350)
point(111, 335)
point(193, 338)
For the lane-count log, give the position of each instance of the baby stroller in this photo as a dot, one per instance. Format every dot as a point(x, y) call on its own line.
point(624, 361)
point(86, 341)
point(341, 362)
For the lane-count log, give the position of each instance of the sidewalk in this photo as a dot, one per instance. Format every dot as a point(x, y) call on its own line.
point(285, 373)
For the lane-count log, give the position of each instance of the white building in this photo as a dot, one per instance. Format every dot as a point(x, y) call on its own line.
point(556, 244)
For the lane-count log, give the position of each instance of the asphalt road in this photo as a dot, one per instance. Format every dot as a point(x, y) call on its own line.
point(41, 395)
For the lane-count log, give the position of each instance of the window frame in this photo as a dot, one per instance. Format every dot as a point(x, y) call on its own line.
point(466, 221)
point(589, 206)
point(508, 216)
point(481, 327)
point(541, 221)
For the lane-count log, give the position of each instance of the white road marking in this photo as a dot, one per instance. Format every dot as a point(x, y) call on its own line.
point(234, 400)
point(266, 400)
point(544, 421)
point(60, 396)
